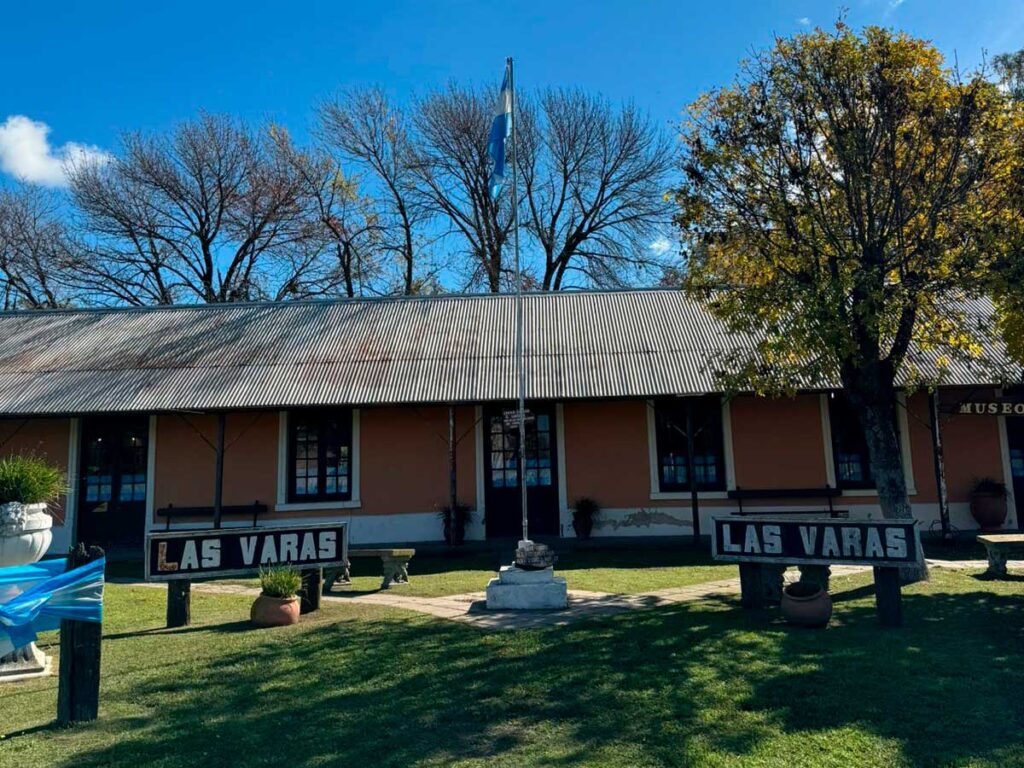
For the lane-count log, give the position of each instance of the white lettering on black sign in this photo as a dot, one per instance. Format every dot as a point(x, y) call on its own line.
point(209, 553)
point(815, 541)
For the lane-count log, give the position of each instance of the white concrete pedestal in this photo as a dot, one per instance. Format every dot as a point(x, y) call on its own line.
point(518, 590)
point(24, 664)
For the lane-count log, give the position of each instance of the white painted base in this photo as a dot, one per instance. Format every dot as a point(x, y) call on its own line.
point(29, 663)
point(519, 590)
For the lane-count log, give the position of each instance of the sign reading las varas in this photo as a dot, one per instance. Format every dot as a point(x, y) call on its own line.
point(817, 542)
point(204, 553)
point(764, 546)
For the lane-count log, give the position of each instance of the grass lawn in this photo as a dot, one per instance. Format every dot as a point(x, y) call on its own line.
point(696, 684)
point(622, 571)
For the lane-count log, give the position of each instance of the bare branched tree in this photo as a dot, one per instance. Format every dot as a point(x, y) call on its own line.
point(343, 222)
point(211, 212)
point(454, 166)
point(35, 250)
point(365, 131)
point(594, 179)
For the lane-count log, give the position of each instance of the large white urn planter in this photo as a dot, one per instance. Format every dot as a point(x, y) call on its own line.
point(25, 535)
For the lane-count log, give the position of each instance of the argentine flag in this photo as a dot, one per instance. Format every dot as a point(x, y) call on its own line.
point(501, 129)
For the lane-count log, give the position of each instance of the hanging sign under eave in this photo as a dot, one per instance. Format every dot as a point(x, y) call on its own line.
point(987, 407)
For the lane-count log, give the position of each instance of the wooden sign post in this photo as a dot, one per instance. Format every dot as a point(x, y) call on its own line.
point(179, 557)
point(78, 684)
point(764, 546)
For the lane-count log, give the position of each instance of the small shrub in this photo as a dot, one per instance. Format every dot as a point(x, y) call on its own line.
point(29, 480)
point(988, 485)
point(280, 582)
point(454, 522)
point(584, 510)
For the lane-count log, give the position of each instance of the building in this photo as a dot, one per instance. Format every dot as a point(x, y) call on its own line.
point(342, 409)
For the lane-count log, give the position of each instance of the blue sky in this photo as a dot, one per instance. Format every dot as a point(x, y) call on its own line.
point(91, 70)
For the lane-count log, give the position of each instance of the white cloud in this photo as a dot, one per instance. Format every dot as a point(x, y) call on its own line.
point(661, 246)
point(26, 153)
point(803, 21)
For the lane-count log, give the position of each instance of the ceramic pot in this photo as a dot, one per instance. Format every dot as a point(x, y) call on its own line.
point(274, 611)
point(806, 604)
point(988, 509)
point(25, 533)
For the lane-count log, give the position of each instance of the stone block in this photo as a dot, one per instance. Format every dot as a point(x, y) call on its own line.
point(509, 574)
point(547, 595)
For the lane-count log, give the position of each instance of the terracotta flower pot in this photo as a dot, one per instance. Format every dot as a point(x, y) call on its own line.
point(274, 611)
point(988, 509)
point(806, 604)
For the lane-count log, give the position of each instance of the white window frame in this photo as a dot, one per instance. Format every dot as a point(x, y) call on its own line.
point(903, 424)
point(283, 505)
point(727, 456)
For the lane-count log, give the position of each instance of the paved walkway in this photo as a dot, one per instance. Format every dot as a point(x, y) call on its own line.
point(471, 609)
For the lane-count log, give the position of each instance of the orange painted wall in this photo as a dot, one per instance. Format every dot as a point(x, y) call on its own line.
point(971, 448)
point(185, 462)
point(404, 459)
point(606, 453)
point(45, 438)
point(778, 443)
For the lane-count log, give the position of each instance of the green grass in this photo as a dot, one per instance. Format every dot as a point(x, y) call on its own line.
point(696, 684)
point(598, 570)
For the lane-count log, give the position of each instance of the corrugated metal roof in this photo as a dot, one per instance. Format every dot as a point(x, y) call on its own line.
point(361, 352)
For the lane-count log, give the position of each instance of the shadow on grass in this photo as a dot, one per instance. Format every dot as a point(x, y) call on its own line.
point(231, 627)
point(654, 686)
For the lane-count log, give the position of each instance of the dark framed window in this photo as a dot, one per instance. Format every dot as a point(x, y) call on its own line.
point(849, 447)
point(504, 433)
point(673, 446)
point(320, 455)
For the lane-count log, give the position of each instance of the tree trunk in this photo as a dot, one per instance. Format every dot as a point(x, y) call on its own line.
point(873, 396)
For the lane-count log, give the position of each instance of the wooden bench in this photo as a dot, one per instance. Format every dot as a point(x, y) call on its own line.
point(1000, 546)
point(394, 562)
point(827, 492)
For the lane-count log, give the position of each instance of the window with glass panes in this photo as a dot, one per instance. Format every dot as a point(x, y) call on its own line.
point(849, 447)
point(320, 455)
point(673, 446)
point(504, 434)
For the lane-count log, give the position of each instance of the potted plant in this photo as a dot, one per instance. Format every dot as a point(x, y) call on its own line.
point(278, 603)
point(584, 510)
point(988, 503)
point(806, 604)
point(454, 520)
point(27, 486)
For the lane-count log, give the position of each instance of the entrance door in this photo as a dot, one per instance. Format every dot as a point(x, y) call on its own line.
point(501, 466)
point(112, 481)
point(1015, 438)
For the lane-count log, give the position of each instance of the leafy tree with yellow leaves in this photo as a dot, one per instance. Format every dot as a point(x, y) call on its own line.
point(834, 198)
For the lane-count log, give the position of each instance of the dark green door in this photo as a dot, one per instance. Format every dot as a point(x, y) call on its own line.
point(112, 481)
point(501, 471)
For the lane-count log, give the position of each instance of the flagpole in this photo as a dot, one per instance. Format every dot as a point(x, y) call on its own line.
point(520, 326)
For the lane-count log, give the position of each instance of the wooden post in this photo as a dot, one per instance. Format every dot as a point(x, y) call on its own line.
point(179, 603)
point(312, 585)
point(218, 478)
point(78, 686)
point(940, 465)
point(690, 473)
point(888, 597)
point(453, 492)
point(751, 585)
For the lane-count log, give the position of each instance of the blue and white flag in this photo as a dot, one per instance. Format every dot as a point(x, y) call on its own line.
point(34, 598)
point(501, 129)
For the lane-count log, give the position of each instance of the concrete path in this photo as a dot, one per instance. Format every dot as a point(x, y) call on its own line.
point(471, 609)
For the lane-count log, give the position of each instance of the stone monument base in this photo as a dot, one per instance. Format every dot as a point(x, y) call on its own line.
point(516, 589)
point(24, 664)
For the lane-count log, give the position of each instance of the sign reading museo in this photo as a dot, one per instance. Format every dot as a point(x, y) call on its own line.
point(197, 554)
point(815, 542)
